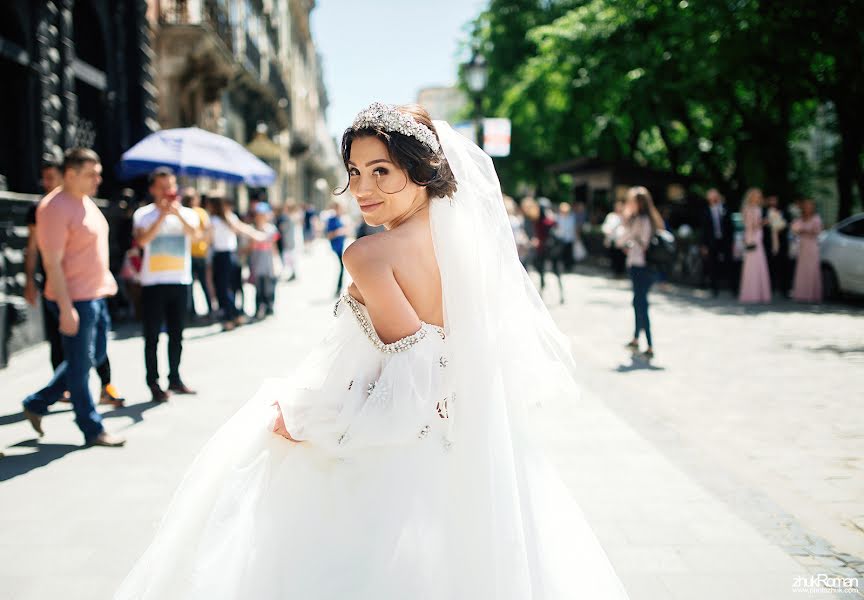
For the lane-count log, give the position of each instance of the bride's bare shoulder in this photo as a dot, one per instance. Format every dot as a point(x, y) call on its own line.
point(368, 251)
point(368, 260)
point(382, 247)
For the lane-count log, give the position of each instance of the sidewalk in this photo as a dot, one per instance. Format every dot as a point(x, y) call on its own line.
point(74, 520)
point(668, 536)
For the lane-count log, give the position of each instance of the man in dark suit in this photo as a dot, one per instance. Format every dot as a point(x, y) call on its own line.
point(775, 237)
point(717, 234)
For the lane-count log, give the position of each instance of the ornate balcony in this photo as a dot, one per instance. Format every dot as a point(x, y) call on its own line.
point(212, 14)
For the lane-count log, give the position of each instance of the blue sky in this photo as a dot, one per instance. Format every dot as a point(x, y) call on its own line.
point(387, 50)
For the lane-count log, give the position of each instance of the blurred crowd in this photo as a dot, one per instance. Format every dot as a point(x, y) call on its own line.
point(776, 251)
point(732, 247)
point(189, 255)
point(257, 247)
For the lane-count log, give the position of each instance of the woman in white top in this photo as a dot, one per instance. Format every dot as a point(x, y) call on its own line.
point(226, 227)
point(610, 227)
point(640, 220)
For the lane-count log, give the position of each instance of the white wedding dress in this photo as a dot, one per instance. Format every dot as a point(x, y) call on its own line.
point(416, 479)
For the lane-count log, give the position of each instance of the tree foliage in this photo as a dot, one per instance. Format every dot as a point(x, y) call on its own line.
point(720, 91)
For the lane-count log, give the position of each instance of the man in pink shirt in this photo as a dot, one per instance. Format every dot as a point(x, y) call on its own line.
point(52, 178)
point(72, 235)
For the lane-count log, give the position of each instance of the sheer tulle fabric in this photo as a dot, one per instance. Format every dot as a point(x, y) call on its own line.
point(408, 504)
point(520, 535)
point(352, 512)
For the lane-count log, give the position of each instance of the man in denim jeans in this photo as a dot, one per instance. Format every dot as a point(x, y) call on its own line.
point(72, 235)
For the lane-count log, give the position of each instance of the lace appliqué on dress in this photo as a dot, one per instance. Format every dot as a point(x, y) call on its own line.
point(380, 395)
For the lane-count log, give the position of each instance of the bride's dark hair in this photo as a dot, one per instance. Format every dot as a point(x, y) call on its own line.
point(423, 166)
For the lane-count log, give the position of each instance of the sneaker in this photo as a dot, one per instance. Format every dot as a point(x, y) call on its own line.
point(228, 326)
point(159, 395)
point(111, 396)
point(648, 354)
point(241, 320)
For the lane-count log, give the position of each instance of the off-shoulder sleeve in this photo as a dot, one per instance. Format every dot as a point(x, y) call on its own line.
point(396, 407)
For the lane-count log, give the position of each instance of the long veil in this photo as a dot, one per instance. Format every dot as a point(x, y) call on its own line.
point(520, 534)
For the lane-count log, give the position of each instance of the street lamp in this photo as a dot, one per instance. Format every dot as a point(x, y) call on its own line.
point(476, 74)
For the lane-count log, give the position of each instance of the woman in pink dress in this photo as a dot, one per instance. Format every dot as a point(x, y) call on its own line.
point(808, 278)
point(755, 281)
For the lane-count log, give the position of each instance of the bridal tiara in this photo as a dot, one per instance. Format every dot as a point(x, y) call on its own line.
point(389, 118)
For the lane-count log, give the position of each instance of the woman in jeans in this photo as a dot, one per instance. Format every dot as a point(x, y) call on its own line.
point(226, 226)
point(640, 221)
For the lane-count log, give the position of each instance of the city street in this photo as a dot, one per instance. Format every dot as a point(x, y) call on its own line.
point(726, 468)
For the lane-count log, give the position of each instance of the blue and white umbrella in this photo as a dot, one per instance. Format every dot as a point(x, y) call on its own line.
point(196, 152)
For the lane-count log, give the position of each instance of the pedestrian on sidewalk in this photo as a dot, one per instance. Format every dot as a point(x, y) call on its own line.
point(290, 228)
point(52, 178)
point(263, 256)
point(755, 281)
point(580, 252)
point(808, 275)
point(226, 227)
point(200, 251)
point(310, 224)
point(717, 235)
point(640, 220)
point(165, 230)
point(610, 228)
point(517, 226)
point(130, 278)
point(544, 246)
point(238, 292)
point(337, 232)
point(565, 233)
point(72, 237)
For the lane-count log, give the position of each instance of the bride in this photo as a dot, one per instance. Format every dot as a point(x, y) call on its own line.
point(397, 462)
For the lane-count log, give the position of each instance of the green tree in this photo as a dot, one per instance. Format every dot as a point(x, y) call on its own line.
point(715, 91)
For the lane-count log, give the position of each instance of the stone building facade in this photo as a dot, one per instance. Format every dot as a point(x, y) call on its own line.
point(106, 73)
point(248, 69)
point(75, 72)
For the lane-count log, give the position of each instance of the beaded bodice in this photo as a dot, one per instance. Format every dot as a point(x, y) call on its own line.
point(365, 323)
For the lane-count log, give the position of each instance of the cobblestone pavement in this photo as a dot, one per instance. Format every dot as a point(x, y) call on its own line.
point(764, 406)
point(728, 468)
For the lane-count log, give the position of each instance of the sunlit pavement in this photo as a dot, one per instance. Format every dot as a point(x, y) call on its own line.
point(726, 468)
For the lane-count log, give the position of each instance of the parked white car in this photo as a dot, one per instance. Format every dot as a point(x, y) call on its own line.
point(842, 253)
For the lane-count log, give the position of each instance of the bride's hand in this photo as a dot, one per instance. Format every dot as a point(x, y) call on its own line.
point(279, 425)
